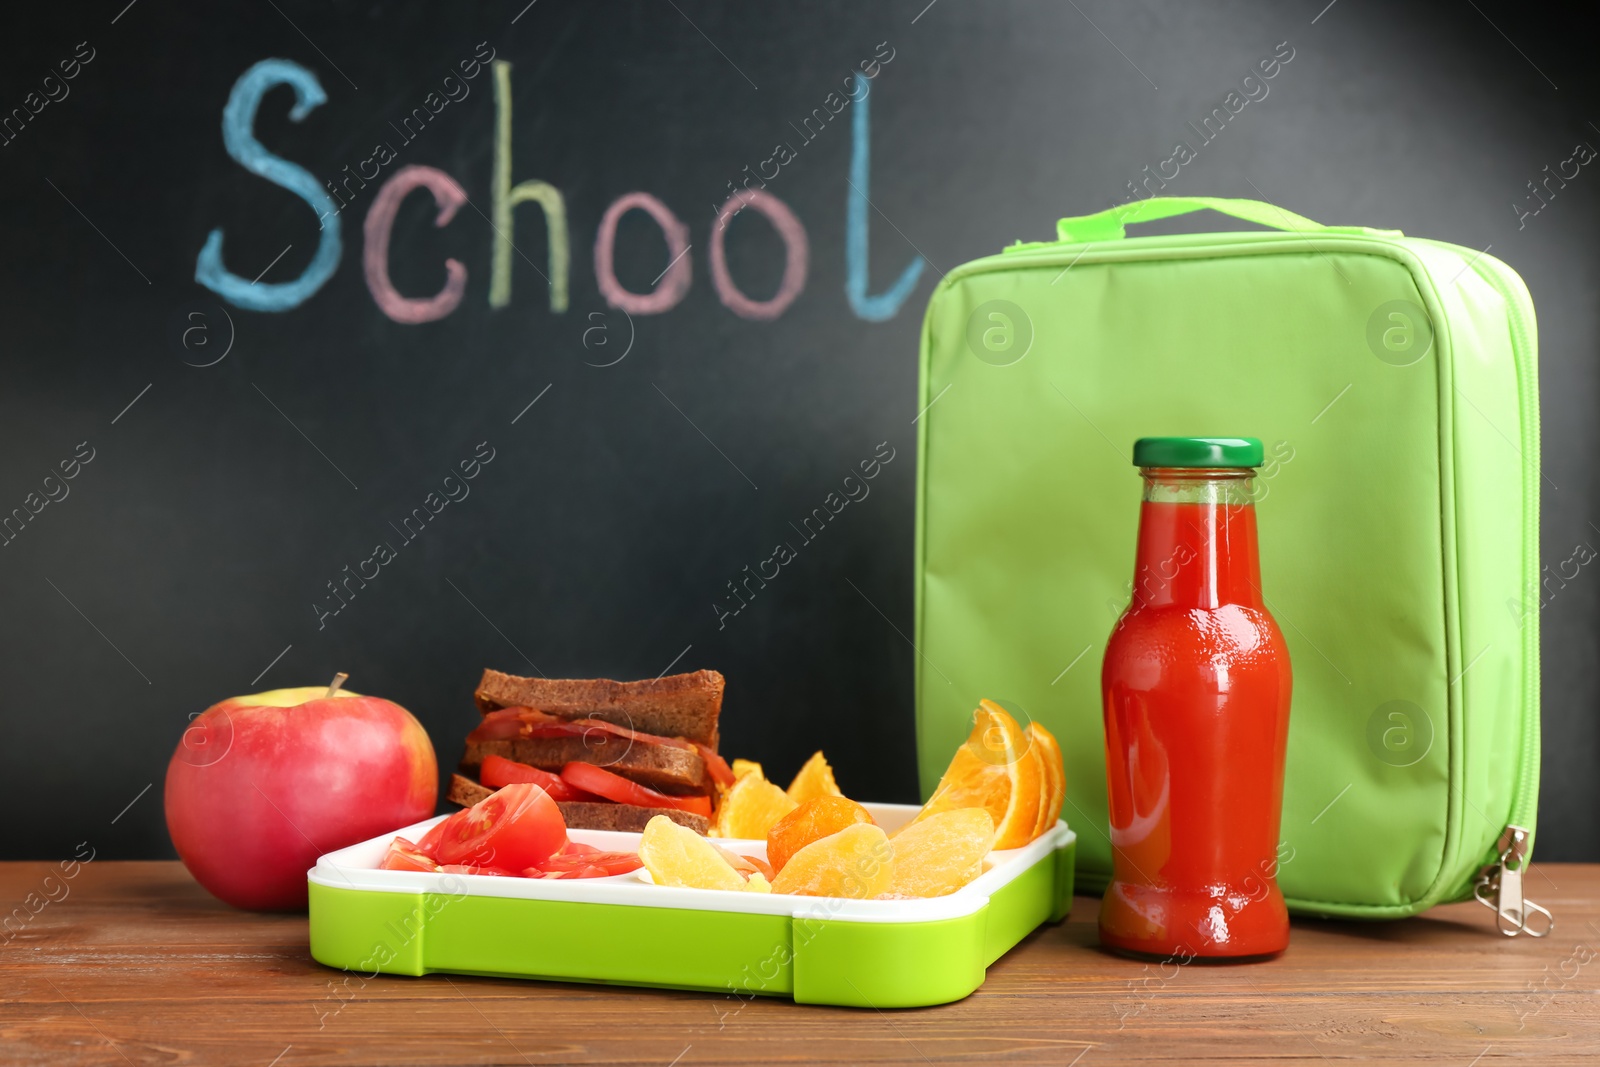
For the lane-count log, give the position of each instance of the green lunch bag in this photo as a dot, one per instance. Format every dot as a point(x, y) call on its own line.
point(1392, 381)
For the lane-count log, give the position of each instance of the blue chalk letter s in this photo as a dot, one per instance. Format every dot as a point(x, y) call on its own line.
point(238, 136)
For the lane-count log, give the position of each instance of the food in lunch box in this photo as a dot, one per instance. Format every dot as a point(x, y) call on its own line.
point(751, 807)
point(941, 853)
point(1003, 788)
point(677, 856)
point(1014, 774)
point(577, 860)
point(815, 819)
point(754, 805)
point(857, 862)
point(612, 755)
point(814, 780)
point(403, 855)
point(516, 831)
point(514, 828)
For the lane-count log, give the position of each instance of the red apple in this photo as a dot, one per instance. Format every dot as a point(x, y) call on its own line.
point(262, 785)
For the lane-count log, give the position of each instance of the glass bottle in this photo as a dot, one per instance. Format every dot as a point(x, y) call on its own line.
point(1195, 688)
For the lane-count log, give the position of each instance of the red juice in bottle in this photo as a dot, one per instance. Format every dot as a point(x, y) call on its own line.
point(1195, 688)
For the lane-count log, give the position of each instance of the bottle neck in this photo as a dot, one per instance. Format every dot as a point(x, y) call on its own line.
point(1197, 539)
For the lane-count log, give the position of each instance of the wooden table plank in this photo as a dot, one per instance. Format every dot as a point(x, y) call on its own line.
point(134, 964)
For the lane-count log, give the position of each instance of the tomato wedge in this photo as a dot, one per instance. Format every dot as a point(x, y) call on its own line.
point(402, 855)
point(429, 845)
point(467, 868)
point(518, 826)
point(581, 872)
point(602, 782)
point(607, 863)
point(497, 771)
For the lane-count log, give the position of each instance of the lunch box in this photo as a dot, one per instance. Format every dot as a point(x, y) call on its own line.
point(624, 930)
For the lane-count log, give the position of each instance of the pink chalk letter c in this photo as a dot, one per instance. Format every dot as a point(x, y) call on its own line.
point(796, 254)
point(375, 258)
point(673, 284)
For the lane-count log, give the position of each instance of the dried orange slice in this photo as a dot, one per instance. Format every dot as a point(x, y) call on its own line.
point(811, 821)
point(751, 807)
point(993, 769)
point(857, 862)
point(1043, 742)
point(677, 856)
point(941, 853)
point(814, 780)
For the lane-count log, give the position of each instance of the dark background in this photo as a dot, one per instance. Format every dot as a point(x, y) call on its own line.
point(191, 549)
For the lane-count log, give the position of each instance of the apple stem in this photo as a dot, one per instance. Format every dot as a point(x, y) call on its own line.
point(333, 687)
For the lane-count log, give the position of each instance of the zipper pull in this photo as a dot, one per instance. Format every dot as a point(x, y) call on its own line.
point(1499, 887)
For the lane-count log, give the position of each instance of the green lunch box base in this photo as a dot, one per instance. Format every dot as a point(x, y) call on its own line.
point(624, 931)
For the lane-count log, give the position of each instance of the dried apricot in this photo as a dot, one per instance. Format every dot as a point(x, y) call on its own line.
point(857, 862)
point(814, 780)
point(677, 856)
point(811, 821)
point(941, 853)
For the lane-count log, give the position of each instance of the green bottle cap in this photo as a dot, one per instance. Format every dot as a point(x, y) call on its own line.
point(1197, 452)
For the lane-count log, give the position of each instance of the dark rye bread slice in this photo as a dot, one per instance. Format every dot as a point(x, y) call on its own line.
point(587, 815)
point(663, 767)
point(465, 791)
point(679, 705)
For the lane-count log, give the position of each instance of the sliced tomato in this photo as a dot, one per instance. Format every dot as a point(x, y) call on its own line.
point(600, 781)
point(507, 723)
point(515, 827)
point(578, 857)
point(497, 771)
point(429, 845)
point(467, 868)
point(587, 870)
point(716, 766)
point(609, 862)
point(402, 855)
point(593, 728)
point(510, 723)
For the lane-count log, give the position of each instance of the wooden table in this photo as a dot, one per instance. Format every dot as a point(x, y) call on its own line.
point(135, 964)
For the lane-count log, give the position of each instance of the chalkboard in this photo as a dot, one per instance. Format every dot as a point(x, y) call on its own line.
point(409, 339)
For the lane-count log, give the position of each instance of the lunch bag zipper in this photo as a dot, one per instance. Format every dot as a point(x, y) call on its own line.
point(1498, 884)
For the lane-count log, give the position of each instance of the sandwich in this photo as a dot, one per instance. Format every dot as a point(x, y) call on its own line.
point(612, 755)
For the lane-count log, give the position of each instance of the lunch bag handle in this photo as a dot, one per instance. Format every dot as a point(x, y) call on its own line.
point(1108, 225)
